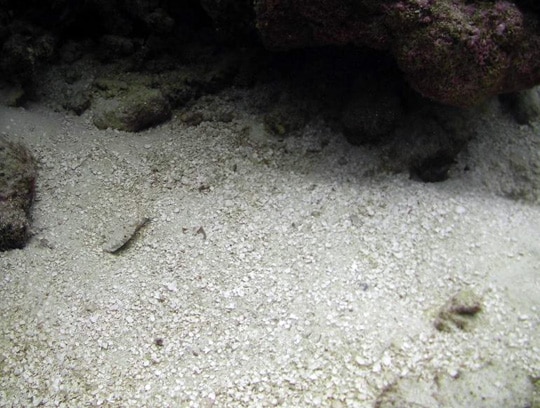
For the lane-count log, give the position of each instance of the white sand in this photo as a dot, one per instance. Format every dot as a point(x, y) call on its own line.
point(317, 283)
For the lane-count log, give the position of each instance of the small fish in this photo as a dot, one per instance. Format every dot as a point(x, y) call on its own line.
point(124, 235)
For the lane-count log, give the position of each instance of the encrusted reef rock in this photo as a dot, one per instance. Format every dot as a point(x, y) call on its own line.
point(454, 51)
point(457, 52)
point(137, 109)
point(17, 184)
point(22, 53)
point(461, 52)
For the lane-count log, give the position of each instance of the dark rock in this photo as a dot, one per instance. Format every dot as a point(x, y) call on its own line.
point(455, 52)
point(135, 110)
point(77, 102)
point(17, 187)
point(22, 53)
point(14, 227)
point(459, 53)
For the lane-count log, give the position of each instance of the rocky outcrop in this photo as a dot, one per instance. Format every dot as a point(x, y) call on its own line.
point(455, 52)
point(24, 51)
point(17, 184)
point(133, 110)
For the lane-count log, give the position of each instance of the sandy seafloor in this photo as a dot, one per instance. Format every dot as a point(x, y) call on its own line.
point(314, 281)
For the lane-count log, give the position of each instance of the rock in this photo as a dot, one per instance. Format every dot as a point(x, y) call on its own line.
point(136, 109)
point(524, 106)
point(460, 53)
point(23, 52)
point(494, 385)
point(17, 186)
point(77, 101)
point(136, 101)
point(14, 227)
point(455, 52)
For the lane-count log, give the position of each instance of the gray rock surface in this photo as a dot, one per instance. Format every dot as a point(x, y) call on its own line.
point(455, 52)
point(17, 184)
point(136, 109)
